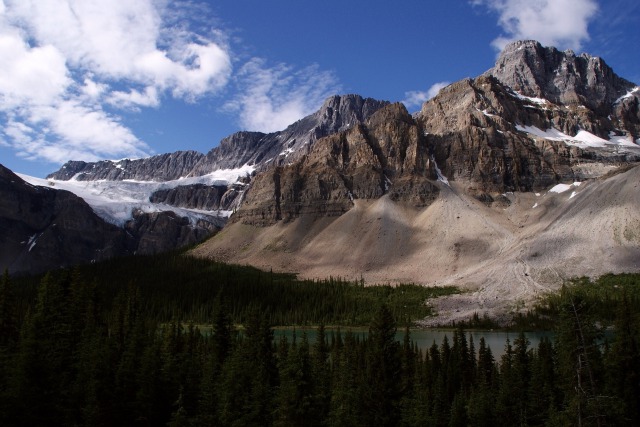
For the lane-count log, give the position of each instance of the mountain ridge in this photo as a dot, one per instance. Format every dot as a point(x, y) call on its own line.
point(337, 113)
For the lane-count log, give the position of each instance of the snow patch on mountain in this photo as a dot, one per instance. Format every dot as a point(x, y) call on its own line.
point(561, 188)
point(629, 94)
point(582, 139)
point(539, 101)
point(115, 201)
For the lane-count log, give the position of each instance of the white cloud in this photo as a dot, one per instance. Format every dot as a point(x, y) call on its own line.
point(416, 98)
point(560, 23)
point(63, 61)
point(29, 75)
point(272, 98)
point(122, 39)
point(69, 128)
point(91, 90)
point(149, 97)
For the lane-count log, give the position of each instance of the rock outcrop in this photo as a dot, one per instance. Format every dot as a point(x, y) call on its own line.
point(196, 196)
point(164, 231)
point(42, 228)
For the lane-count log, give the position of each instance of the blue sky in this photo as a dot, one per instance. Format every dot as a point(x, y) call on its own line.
point(108, 79)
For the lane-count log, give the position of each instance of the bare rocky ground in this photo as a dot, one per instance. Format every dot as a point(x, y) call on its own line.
point(503, 256)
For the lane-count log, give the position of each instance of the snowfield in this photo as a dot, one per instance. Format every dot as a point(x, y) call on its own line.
point(115, 201)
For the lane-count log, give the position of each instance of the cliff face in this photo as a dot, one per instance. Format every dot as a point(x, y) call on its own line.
point(471, 129)
point(386, 155)
point(537, 118)
point(196, 196)
point(164, 167)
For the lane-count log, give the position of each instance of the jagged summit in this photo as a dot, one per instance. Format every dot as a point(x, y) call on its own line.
point(564, 78)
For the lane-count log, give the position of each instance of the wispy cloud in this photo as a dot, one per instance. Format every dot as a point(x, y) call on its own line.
point(560, 23)
point(65, 63)
point(416, 98)
point(271, 98)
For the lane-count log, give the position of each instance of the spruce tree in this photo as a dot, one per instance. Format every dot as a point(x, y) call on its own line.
point(383, 370)
point(249, 377)
point(346, 394)
point(521, 377)
point(294, 398)
point(623, 362)
point(8, 316)
point(579, 362)
point(8, 342)
point(321, 371)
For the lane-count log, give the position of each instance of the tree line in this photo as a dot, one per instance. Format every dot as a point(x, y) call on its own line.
point(175, 286)
point(78, 358)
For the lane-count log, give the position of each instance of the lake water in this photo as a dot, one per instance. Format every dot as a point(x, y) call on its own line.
point(424, 338)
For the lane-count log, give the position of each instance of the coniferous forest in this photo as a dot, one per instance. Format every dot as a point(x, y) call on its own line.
point(116, 343)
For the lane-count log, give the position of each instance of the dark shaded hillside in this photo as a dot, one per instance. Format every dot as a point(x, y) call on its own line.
point(42, 228)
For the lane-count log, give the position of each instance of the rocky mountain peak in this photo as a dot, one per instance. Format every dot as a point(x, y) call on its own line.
point(339, 112)
point(561, 77)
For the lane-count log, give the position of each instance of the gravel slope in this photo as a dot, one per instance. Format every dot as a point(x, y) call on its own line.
point(505, 255)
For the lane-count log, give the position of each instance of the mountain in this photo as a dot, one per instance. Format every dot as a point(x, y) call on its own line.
point(230, 163)
point(504, 184)
point(42, 228)
point(465, 191)
point(479, 133)
point(562, 78)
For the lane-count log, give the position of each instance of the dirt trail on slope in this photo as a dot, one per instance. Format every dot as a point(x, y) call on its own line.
point(504, 256)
